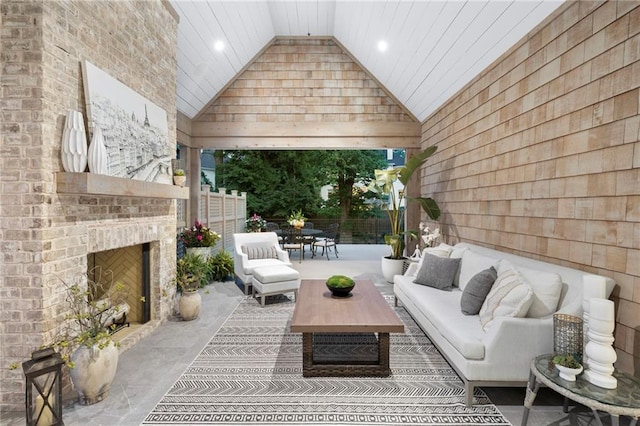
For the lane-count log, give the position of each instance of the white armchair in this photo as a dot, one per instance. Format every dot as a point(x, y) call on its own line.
point(255, 249)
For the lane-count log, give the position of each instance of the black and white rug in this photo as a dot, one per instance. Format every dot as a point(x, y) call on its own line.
point(251, 373)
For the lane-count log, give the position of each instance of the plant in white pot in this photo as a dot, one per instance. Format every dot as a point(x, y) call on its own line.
point(392, 201)
point(199, 239)
point(96, 305)
point(179, 177)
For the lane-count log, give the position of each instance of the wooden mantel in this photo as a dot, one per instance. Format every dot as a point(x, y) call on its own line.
point(95, 184)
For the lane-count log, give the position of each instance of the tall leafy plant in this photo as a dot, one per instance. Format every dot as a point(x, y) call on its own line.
point(383, 185)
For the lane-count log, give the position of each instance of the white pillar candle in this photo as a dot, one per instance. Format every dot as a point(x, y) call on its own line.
point(594, 286)
point(603, 309)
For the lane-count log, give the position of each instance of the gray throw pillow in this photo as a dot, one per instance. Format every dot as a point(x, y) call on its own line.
point(477, 290)
point(437, 272)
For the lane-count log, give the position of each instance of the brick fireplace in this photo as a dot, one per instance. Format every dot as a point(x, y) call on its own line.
point(53, 223)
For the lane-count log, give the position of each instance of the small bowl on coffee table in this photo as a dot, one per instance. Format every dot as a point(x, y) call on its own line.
point(340, 285)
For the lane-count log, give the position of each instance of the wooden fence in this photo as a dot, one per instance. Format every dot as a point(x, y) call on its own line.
point(221, 212)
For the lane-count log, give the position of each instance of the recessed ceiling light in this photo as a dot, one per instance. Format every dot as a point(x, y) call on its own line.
point(382, 45)
point(219, 45)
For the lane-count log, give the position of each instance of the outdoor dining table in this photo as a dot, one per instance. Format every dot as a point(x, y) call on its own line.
point(306, 232)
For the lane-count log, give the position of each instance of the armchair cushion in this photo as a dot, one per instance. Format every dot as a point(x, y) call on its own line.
point(260, 251)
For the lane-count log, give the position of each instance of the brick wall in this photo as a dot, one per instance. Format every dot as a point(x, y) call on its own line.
point(46, 236)
point(540, 154)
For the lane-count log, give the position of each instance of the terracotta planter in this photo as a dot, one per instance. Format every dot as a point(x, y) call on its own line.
point(391, 267)
point(189, 305)
point(94, 371)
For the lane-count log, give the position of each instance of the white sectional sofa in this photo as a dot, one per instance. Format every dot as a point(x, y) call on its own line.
point(500, 353)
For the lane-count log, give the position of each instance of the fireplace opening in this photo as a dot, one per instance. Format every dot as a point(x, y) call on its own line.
point(129, 266)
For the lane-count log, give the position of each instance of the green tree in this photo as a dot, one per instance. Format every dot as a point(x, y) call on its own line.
point(276, 182)
point(343, 169)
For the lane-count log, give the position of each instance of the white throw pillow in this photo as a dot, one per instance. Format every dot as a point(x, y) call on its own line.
point(472, 263)
point(510, 296)
point(547, 287)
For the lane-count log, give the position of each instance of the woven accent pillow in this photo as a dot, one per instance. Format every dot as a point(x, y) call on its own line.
point(510, 296)
point(260, 251)
point(437, 272)
point(476, 291)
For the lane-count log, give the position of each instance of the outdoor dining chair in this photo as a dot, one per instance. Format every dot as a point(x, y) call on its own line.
point(329, 240)
point(292, 239)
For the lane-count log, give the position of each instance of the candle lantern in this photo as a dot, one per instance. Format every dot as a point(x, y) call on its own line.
point(43, 399)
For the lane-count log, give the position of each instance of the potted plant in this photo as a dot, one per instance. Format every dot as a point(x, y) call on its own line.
point(199, 239)
point(220, 266)
point(178, 177)
point(190, 272)
point(255, 223)
point(95, 304)
point(392, 200)
point(296, 219)
point(568, 367)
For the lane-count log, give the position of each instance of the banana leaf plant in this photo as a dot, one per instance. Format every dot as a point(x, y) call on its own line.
point(383, 185)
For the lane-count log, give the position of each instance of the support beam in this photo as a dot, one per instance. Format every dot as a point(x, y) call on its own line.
point(285, 142)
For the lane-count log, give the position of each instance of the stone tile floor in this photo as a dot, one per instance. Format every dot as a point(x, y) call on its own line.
point(147, 370)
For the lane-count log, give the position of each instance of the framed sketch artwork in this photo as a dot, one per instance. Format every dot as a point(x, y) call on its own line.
point(135, 130)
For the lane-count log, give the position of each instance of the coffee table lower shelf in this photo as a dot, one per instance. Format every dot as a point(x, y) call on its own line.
point(319, 366)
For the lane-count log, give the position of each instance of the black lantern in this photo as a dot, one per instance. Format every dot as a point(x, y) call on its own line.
point(43, 399)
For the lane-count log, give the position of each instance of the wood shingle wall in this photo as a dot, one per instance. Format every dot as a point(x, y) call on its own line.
point(540, 154)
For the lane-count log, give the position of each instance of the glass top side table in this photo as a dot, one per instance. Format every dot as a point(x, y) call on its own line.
point(622, 401)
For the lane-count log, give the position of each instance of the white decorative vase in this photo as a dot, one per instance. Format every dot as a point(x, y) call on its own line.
point(97, 156)
point(599, 350)
point(93, 372)
point(205, 252)
point(74, 143)
point(391, 267)
point(189, 305)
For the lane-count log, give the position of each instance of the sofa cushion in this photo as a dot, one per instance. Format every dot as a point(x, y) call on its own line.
point(476, 291)
point(442, 250)
point(546, 287)
point(442, 310)
point(472, 263)
point(437, 272)
point(510, 296)
point(260, 251)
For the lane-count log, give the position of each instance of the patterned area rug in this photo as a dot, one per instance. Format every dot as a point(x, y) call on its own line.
point(251, 373)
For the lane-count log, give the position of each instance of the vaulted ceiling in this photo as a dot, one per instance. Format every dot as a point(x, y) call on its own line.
point(433, 47)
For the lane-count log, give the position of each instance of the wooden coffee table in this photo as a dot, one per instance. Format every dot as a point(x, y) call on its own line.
point(319, 315)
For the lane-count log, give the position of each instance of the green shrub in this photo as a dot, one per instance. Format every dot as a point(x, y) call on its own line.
point(220, 266)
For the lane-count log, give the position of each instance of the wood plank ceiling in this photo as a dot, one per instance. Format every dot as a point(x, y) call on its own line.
point(433, 47)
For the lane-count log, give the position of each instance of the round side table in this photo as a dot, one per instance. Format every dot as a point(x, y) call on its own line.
point(621, 401)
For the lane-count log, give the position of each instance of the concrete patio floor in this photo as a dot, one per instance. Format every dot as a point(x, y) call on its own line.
point(148, 370)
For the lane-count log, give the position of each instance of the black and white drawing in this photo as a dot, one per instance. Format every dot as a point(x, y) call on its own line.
point(135, 130)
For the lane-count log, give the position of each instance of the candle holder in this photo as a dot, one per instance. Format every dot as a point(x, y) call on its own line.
point(567, 336)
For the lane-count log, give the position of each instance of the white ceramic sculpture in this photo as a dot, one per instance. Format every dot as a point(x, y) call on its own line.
point(74, 143)
point(599, 350)
point(97, 157)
